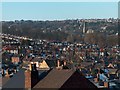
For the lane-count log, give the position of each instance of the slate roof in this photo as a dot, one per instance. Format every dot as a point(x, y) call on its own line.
point(51, 63)
point(77, 80)
point(67, 78)
point(4, 80)
point(17, 81)
point(54, 79)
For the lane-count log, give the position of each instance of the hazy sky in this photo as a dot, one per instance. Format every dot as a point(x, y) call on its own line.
point(58, 10)
point(60, 0)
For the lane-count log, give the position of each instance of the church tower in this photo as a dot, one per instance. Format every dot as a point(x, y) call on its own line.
point(84, 27)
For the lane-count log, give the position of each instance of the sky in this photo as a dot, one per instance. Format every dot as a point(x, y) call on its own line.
point(60, 0)
point(58, 10)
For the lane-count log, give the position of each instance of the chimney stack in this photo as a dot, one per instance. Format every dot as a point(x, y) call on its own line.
point(80, 69)
point(58, 63)
point(106, 84)
point(34, 75)
point(96, 80)
point(90, 69)
point(3, 72)
point(7, 74)
point(33, 66)
point(64, 63)
point(27, 79)
point(30, 68)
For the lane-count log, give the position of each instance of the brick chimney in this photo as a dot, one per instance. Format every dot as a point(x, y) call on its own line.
point(3, 73)
point(90, 69)
point(7, 74)
point(80, 69)
point(30, 68)
point(34, 75)
point(106, 84)
point(58, 63)
point(64, 63)
point(15, 71)
point(27, 79)
point(96, 79)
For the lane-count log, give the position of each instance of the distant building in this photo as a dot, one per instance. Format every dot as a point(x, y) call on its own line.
point(43, 65)
point(10, 49)
point(90, 31)
point(40, 64)
point(84, 27)
point(15, 60)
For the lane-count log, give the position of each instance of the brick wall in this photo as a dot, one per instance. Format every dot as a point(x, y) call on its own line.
point(27, 79)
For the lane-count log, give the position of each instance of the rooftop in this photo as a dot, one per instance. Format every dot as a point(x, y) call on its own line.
point(67, 78)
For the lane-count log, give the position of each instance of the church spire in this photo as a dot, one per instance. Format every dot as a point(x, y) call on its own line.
point(84, 27)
